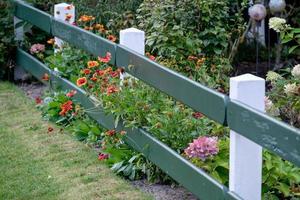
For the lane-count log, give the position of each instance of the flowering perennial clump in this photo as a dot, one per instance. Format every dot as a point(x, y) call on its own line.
point(203, 148)
point(37, 48)
point(66, 107)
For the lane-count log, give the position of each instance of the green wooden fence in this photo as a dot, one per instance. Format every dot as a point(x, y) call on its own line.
point(270, 133)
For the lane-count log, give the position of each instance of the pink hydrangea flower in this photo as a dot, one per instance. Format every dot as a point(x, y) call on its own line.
point(37, 48)
point(202, 147)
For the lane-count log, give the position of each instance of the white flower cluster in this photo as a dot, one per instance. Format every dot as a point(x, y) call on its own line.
point(273, 76)
point(291, 88)
point(277, 24)
point(296, 71)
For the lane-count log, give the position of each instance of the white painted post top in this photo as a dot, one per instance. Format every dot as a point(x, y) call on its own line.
point(249, 84)
point(61, 11)
point(133, 39)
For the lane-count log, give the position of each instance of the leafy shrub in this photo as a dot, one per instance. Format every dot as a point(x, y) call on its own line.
point(177, 29)
point(6, 38)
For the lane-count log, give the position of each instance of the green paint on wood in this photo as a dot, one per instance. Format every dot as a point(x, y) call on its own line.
point(264, 130)
point(189, 92)
point(35, 16)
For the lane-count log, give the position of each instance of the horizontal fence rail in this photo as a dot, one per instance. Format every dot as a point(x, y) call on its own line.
point(190, 176)
point(190, 92)
point(276, 136)
point(34, 16)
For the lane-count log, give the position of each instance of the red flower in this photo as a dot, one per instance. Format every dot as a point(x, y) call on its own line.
point(86, 71)
point(50, 129)
point(71, 93)
point(66, 107)
point(111, 38)
point(110, 132)
point(81, 81)
point(102, 156)
point(38, 100)
point(111, 89)
point(100, 72)
point(151, 57)
point(68, 17)
point(114, 74)
point(197, 115)
point(45, 77)
point(105, 59)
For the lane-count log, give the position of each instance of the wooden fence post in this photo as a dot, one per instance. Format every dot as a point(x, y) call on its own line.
point(64, 12)
point(245, 177)
point(133, 39)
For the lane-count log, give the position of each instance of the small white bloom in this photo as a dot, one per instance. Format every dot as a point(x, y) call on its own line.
point(273, 76)
point(296, 71)
point(277, 24)
point(290, 89)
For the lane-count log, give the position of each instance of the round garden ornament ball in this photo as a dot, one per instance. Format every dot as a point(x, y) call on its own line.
point(277, 5)
point(257, 12)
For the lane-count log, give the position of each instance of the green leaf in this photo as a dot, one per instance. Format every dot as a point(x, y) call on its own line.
point(293, 48)
point(284, 188)
point(286, 40)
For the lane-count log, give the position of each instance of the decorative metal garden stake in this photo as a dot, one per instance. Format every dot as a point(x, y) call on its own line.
point(276, 8)
point(257, 13)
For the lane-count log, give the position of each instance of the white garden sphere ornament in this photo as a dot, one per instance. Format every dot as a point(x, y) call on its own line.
point(277, 5)
point(257, 12)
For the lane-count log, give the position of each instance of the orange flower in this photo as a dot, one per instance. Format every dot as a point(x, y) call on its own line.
point(92, 64)
point(107, 70)
point(45, 77)
point(105, 59)
point(86, 71)
point(98, 26)
point(94, 78)
point(68, 17)
point(81, 81)
point(86, 18)
point(111, 89)
point(71, 93)
point(111, 38)
point(66, 107)
point(51, 41)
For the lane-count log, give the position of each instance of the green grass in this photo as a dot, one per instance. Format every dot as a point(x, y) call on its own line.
point(35, 164)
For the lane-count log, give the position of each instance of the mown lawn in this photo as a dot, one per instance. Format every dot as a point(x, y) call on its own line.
point(35, 164)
